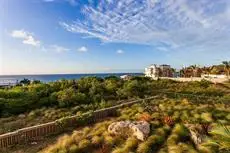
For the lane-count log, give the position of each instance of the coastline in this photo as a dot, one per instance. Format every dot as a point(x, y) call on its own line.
point(55, 77)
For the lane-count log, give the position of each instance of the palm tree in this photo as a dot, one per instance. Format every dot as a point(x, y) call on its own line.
point(226, 67)
point(220, 138)
point(195, 69)
point(205, 70)
point(182, 72)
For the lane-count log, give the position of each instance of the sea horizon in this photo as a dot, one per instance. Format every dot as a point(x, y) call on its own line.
point(69, 73)
point(55, 77)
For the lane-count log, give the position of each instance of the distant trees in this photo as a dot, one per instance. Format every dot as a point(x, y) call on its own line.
point(196, 71)
point(227, 67)
point(137, 86)
point(90, 90)
point(69, 97)
point(25, 81)
point(191, 71)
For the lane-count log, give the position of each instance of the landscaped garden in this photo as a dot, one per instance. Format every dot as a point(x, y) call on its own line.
point(37, 102)
point(185, 116)
point(176, 126)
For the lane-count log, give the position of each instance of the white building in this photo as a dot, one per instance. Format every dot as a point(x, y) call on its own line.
point(8, 82)
point(152, 71)
point(155, 71)
point(125, 77)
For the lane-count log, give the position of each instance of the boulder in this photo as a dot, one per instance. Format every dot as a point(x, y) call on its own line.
point(140, 129)
point(22, 116)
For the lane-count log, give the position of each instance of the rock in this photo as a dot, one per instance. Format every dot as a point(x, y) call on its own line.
point(140, 129)
point(34, 143)
point(22, 116)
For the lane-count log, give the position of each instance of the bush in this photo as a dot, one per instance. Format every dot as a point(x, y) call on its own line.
point(96, 140)
point(84, 143)
point(73, 149)
point(207, 117)
point(180, 130)
point(130, 144)
point(143, 148)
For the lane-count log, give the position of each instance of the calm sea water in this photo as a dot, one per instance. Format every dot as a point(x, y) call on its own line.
point(55, 77)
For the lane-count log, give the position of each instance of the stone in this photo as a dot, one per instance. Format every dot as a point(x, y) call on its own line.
point(140, 129)
point(21, 116)
point(34, 143)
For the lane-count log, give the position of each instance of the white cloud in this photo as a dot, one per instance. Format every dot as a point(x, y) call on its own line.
point(171, 24)
point(72, 2)
point(82, 49)
point(120, 51)
point(19, 34)
point(48, 0)
point(27, 38)
point(58, 49)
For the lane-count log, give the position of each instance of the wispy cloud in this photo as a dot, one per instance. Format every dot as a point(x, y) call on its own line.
point(82, 49)
point(27, 37)
point(168, 24)
point(48, 0)
point(58, 49)
point(72, 2)
point(120, 51)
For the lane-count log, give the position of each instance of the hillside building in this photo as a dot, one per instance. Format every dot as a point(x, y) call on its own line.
point(155, 71)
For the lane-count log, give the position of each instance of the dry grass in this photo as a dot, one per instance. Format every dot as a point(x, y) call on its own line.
point(164, 137)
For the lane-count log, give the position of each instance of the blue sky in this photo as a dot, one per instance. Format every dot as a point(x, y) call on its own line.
point(91, 36)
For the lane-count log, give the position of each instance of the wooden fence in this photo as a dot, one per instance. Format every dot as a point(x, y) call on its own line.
point(35, 132)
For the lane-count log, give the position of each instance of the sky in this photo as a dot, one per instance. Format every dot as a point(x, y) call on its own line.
point(101, 36)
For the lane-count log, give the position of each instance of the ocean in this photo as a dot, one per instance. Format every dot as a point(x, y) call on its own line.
point(55, 77)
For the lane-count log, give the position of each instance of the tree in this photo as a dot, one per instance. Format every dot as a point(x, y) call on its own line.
point(214, 70)
point(70, 97)
point(182, 72)
point(226, 67)
point(111, 85)
point(36, 81)
point(221, 138)
point(25, 81)
point(137, 86)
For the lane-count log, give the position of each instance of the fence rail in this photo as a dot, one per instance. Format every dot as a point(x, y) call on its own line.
point(35, 132)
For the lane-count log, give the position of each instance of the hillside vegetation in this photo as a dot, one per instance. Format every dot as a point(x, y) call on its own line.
point(169, 132)
point(91, 90)
point(38, 102)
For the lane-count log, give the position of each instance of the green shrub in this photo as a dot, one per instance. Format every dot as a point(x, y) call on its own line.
point(180, 130)
point(96, 140)
point(118, 150)
point(187, 148)
point(144, 147)
point(84, 143)
point(174, 149)
point(207, 117)
point(62, 150)
point(109, 140)
point(130, 144)
point(205, 149)
point(173, 139)
point(73, 149)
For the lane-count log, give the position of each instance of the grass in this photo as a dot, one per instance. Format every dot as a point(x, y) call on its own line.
point(163, 138)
